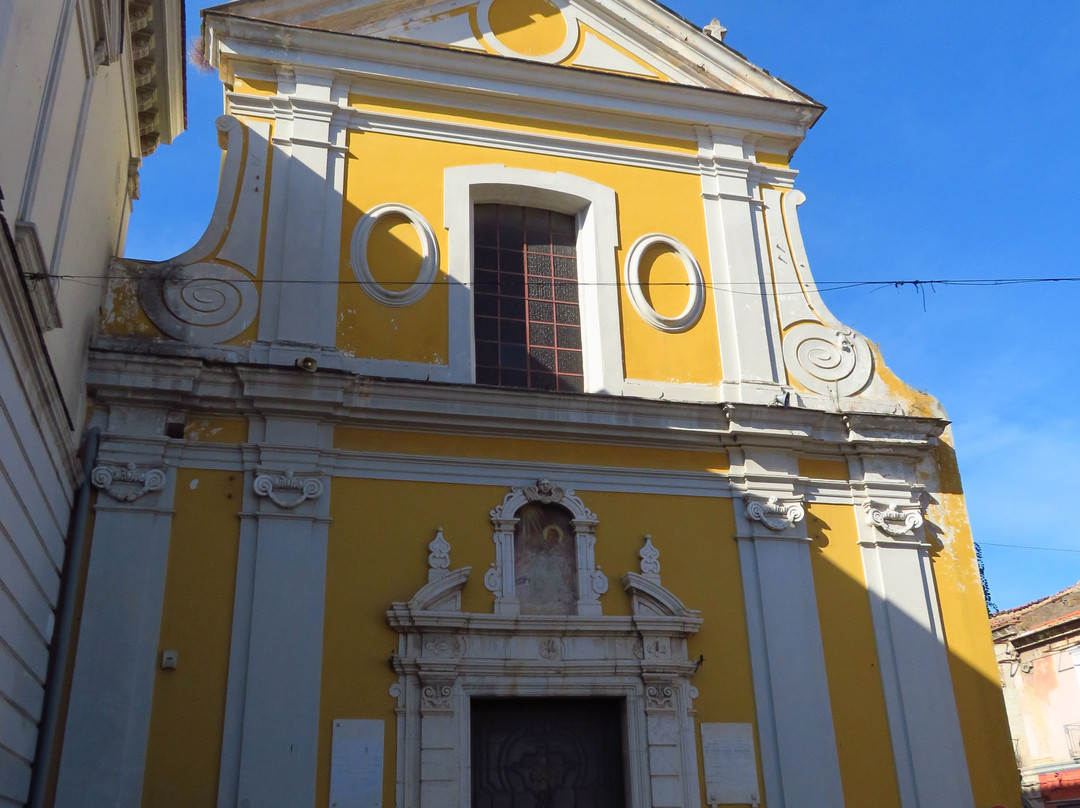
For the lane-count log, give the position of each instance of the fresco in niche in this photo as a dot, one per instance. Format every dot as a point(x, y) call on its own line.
point(545, 568)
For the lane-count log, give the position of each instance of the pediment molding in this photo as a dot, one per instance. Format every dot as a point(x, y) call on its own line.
point(641, 31)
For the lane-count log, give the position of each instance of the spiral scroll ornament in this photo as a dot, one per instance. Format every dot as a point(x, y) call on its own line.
point(828, 360)
point(201, 303)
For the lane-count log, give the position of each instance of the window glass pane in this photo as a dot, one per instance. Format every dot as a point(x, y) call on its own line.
point(484, 229)
point(511, 231)
point(570, 362)
point(565, 268)
point(566, 314)
point(569, 336)
point(525, 262)
point(542, 334)
point(541, 311)
point(542, 359)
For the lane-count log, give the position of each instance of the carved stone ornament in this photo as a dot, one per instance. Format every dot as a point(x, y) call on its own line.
point(774, 514)
point(287, 490)
point(893, 520)
point(445, 645)
point(438, 556)
point(437, 696)
point(650, 559)
point(550, 648)
point(544, 491)
point(127, 483)
point(660, 697)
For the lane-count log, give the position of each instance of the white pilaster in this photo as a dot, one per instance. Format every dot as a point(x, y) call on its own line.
point(795, 727)
point(928, 747)
point(749, 335)
point(303, 244)
point(108, 721)
point(270, 744)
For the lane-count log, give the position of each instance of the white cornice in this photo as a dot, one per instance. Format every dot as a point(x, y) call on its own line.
point(440, 69)
point(470, 134)
point(464, 409)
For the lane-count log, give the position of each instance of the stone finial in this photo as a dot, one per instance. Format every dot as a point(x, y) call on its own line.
point(650, 560)
point(438, 557)
point(715, 30)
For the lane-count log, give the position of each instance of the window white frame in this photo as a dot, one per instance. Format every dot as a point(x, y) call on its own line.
point(593, 206)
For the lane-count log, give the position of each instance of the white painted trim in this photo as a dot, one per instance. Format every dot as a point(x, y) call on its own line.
point(429, 259)
point(695, 281)
point(447, 70)
point(593, 205)
point(105, 740)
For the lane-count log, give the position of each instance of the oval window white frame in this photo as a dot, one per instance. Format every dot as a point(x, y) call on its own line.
point(483, 9)
point(695, 305)
point(429, 261)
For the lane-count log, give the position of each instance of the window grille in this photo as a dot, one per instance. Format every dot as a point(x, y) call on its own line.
point(527, 318)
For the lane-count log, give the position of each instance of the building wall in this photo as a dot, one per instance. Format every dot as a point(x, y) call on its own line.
point(70, 150)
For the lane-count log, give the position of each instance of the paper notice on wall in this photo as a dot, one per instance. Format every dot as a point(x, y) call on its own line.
point(730, 765)
point(356, 764)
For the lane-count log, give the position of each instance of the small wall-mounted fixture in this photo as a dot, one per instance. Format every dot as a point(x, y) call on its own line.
point(308, 363)
point(169, 658)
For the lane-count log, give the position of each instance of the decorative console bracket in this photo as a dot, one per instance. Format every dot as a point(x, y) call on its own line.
point(775, 513)
point(894, 519)
point(127, 483)
point(287, 490)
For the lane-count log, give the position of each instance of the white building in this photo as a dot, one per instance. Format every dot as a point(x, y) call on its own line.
point(87, 88)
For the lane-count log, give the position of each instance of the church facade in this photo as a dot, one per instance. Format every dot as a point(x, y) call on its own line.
point(493, 447)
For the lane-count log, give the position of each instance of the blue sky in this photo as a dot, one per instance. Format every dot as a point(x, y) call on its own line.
point(950, 149)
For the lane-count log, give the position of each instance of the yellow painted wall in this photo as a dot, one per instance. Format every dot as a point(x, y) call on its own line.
point(378, 527)
point(976, 682)
point(356, 439)
point(183, 754)
point(389, 168)
point(856, 695)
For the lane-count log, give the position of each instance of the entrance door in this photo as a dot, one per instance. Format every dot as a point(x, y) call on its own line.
point(547, 753)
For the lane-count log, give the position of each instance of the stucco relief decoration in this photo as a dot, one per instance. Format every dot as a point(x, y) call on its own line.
point(893, 520)
point(194, 297)
point(695, 283)
point(438, 555)
point(550, 648)
point(437, 696)
point(660, 697)
point(828, 360)
point(650, 559)
point(429, 255)
point(445, 645)
point(127, 483)
point(775, 514)
point(287, 490)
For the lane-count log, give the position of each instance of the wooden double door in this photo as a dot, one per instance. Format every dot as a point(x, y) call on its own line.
point(547, 753)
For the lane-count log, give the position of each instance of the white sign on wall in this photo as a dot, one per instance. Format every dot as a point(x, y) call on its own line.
point(730, 764)
point(356, 764)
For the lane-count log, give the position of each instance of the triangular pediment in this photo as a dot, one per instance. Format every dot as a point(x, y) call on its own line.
point(637, 38)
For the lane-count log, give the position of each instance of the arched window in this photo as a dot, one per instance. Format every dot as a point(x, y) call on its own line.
point(534, 252)
point(526, 309)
